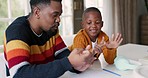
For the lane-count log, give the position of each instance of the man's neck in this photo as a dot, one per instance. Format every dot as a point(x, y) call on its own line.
point(34, 25)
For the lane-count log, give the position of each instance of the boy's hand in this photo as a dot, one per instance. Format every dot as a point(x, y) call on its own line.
point(98, 48)
point(114, 41)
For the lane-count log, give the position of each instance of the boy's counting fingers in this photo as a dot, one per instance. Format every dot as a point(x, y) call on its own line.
point(102, 41)
point(120, 40)
point(98, 49)
point(112, 39)
point(116, 37)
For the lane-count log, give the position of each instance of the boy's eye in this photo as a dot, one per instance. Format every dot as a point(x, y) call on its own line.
point(98, 22)
point(88, 22)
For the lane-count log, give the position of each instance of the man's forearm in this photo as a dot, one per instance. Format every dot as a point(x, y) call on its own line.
point(50, 70)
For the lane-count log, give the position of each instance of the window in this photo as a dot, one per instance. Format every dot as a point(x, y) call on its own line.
point(94, 3)
point(9, 10)
point(66, 27)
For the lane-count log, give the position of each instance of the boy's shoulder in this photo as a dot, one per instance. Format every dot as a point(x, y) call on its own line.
point(103, 33)
point(81, 33)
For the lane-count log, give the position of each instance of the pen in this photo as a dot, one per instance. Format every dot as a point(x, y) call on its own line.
point(112, 72)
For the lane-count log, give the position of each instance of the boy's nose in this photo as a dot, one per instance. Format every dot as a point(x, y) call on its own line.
point(94, 25)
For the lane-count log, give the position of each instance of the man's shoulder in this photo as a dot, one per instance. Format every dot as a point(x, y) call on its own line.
point(18, 23)
point(18, 29)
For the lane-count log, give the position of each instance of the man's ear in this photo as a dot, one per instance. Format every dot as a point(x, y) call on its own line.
point(36, 12)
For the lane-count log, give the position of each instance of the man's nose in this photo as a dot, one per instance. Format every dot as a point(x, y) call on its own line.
point(58, 19)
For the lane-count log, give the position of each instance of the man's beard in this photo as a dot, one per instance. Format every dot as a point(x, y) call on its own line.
point(51, 33)
point(53, 30)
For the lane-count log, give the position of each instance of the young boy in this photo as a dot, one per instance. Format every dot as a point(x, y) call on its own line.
point(91, 34)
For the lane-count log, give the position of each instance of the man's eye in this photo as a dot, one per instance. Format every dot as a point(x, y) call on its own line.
point(54, 15)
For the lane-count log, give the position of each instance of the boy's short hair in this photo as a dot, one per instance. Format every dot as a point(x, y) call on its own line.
point(90, 9)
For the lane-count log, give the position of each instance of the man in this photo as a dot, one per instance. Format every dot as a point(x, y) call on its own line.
point(34, 49)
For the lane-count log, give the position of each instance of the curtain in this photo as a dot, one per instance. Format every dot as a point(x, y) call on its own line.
point(124, 19)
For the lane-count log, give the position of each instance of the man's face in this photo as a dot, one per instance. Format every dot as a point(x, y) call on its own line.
point(50, 16)
point(92, 23)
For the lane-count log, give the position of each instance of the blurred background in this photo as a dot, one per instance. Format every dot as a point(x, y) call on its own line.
point(128, 17)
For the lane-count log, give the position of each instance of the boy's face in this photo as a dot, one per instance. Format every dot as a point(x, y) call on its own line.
point(92, 23)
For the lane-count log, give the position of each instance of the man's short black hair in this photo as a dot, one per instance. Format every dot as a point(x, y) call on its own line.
point(34, 3)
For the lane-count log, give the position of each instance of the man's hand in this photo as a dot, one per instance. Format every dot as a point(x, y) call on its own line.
point(81, 59)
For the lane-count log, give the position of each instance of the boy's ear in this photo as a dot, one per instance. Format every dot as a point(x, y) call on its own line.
point(102, 23)
point(82, 24)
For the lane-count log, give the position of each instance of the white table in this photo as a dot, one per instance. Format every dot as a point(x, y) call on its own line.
point(97, 72)
point(134, 52)
point(130, 51)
